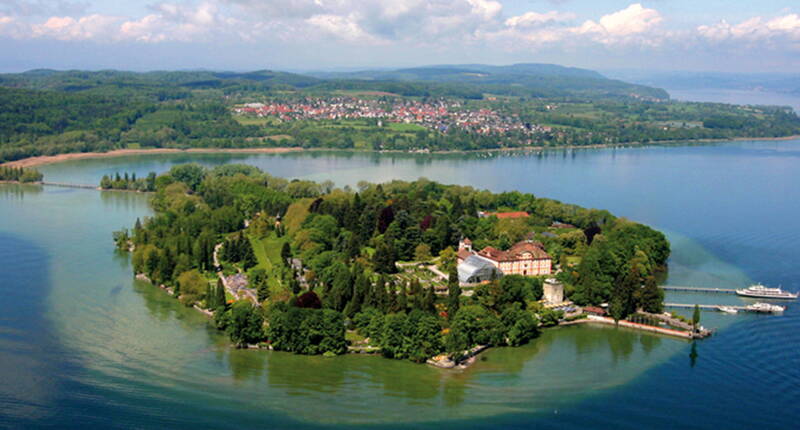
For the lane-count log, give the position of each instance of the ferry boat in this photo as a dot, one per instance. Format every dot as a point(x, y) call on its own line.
point(763, 292)
point(728, 309)
point(765, 307)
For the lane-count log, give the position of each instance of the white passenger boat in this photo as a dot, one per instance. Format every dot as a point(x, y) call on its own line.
point(766, 307)
point(763, 292)
point(728, 309)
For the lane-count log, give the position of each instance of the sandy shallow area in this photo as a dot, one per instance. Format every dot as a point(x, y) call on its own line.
point(50, 159)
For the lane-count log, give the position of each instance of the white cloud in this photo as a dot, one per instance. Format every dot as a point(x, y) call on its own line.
point(439, 25)
point(68, 28)
point(634, 25)
point(756, 29)
point(535, 19)
point(342, 27)
point(630, 24)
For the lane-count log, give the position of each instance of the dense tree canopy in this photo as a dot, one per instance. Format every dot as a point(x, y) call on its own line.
point(322, 261)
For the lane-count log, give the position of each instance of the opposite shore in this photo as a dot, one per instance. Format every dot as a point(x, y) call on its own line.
point(52, 159)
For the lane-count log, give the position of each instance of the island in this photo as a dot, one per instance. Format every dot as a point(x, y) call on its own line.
point(417, 271)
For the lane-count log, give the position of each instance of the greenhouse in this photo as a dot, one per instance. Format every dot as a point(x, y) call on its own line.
point(475, 270)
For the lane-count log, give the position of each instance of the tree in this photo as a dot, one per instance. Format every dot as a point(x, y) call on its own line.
point(190, 174)
point(521, 325)
point(696, 317)
point(220, 301)
point(192, 286)
point(617, 308)
point(428, 303)
point(105, 183)
point(475, 325)
point(341, 289)
point(425, 339)
point(392, 336)
point(286, 253)
point(447, 259)
point(422, 252)
point(651, 298)
point(246, 323)
point(259, 280)
point(384, 258)
point(453, 293)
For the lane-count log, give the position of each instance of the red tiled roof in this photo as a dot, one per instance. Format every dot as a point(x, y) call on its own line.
point(594, 310)
point(503, 215)
point(463, 254)
point(516, 252)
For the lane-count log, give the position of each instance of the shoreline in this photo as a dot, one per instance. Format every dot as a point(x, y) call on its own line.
point(42, 160)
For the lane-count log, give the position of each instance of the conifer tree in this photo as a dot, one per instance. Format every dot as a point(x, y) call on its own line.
point(402, 299)
point(286, 253)
point(453, 293)
point(220, 301)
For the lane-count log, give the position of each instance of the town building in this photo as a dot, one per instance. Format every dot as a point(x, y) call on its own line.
point(527, 258)
point(464, 250)
point(594, 310)
point(503, 215)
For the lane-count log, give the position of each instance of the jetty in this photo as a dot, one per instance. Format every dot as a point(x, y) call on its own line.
point(697, 289)
point(67, 185)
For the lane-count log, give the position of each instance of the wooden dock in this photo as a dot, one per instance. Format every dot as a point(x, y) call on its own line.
point(697, 289)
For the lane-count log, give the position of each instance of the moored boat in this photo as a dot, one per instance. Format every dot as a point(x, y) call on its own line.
point(763, 292)
point(766, 307)
point(728, 309)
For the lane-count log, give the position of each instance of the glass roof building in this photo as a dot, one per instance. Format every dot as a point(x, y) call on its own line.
point(475, 269)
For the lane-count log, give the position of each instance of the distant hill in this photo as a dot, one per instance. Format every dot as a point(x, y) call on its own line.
point(114, 81)
point(471, 81)
point(544, 80)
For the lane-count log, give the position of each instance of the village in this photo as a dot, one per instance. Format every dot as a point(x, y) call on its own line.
point(439, 115)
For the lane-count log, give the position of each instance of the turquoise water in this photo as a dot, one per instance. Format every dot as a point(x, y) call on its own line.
point(83, 345)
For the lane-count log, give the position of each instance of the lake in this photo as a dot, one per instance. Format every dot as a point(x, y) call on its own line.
point(82, 344)
point(736, 96)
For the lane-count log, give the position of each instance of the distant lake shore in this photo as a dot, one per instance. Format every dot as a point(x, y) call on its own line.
point(52, 159)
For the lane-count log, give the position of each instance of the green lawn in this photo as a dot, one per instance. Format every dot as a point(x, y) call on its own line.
point(254, 120)
point(268, 255)
point(401, 126)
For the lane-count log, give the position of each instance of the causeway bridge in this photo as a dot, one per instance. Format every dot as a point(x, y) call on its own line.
point(66, 185)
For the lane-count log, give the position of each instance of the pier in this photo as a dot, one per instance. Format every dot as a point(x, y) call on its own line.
point(66, 185)
point(697, 289)
point(716, 307)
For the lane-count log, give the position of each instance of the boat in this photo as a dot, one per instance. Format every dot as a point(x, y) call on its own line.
point(728, 309)
point(763, 292)
point(765, 307)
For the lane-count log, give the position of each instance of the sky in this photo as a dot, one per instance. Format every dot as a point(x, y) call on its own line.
point(301, 35)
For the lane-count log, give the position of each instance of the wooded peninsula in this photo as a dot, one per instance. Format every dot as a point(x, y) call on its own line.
point(389, 268)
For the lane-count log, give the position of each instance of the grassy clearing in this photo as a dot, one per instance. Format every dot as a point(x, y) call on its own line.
point(254, 120)
point(268, 255)
point(403, 127)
